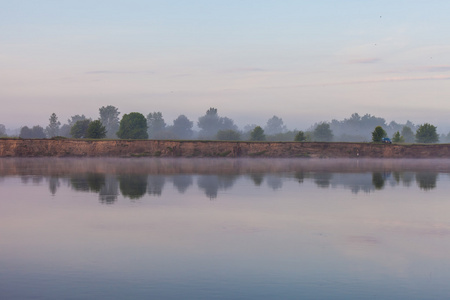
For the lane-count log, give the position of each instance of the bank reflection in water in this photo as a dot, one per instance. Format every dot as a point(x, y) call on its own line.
point(136, 186)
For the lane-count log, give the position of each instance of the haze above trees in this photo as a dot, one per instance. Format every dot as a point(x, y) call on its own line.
point(213, 126)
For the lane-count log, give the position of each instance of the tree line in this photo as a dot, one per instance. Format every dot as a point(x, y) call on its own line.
point(212, 126)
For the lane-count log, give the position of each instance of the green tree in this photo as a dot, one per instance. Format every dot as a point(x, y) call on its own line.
point(155, 123)
point(300, 137)
point(109, 116)
point(228, 135)
point(79, 129)
point(323, 133)
point(426, 133)
point(378, 134)
point(133, 126)
point(96, 130)
point(397, 138)
point(53, 127)
point(408, 134)
point(257, 134)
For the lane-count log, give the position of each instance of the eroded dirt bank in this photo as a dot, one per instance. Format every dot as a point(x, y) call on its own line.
point(128, 148)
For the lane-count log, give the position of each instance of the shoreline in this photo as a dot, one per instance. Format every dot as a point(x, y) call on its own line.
point(199, 148)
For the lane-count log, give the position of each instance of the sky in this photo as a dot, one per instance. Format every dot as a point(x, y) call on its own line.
point(303, 61)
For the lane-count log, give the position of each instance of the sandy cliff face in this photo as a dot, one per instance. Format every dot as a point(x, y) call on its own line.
point(127, 148)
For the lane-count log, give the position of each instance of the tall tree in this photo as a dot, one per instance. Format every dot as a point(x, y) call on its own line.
point(156, 124)
point(53, 126)
point(182, 127)
point(427, 134)
point(275, 125)
point(133, 126)
point(109, 116)
point(323, 133)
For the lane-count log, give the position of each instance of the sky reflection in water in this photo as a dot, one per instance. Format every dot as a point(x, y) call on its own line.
point(275, 229)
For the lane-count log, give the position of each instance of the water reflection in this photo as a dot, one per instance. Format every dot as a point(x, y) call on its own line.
point(134, 179)
point(133, 186)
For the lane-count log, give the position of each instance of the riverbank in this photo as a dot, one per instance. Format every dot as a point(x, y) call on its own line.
point(154, 148)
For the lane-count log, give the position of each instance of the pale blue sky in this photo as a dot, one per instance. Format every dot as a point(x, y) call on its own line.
point(304, 61)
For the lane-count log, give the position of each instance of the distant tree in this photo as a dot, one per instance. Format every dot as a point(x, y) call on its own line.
point(257, 134)
point(96, 130)
point(427, 134)
point(287, 136)
point(133, 126)
point(300, 137)
point(275, 125)
point(3, 131)
point(182, 127)
point(378, 134)
point(76, 118)
point(211, 123)
point(79, 129)
point(445, 138)
point(156, 124)
point(408, 134)
point(37, 132)
point(323, 133)
point(228, 135)
point(65, 130)
point(109, 116)
point(397, 138)
point(25, 132)
point(53, 126)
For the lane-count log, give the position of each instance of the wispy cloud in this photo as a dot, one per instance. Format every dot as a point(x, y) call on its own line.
point(364, 61)
point(246, 70)
point(369, 81)
point(117, 72)
point(444, 68)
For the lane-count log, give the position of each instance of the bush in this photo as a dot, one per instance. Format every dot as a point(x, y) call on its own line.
point(257, 134)
point(378, 134)
point(300, 137)
point(96, 130)
point(426, 133)
point(228, 135)
point(133, 126)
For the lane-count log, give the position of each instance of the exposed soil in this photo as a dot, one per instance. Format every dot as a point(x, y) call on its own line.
point(152, 148)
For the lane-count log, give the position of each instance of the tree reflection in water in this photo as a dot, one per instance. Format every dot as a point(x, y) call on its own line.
point(133, 186)
point(134, 179)
point(378, 180)
point(53, 184)
point(426, 180)
point(155, 184)
point(257, 178)
point(182, 182)
point(110, 190)
point(212, 183)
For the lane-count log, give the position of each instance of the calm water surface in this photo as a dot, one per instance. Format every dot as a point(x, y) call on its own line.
point(224, 229)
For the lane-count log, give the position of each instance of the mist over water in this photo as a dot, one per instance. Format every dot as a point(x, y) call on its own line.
point(224, 228)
